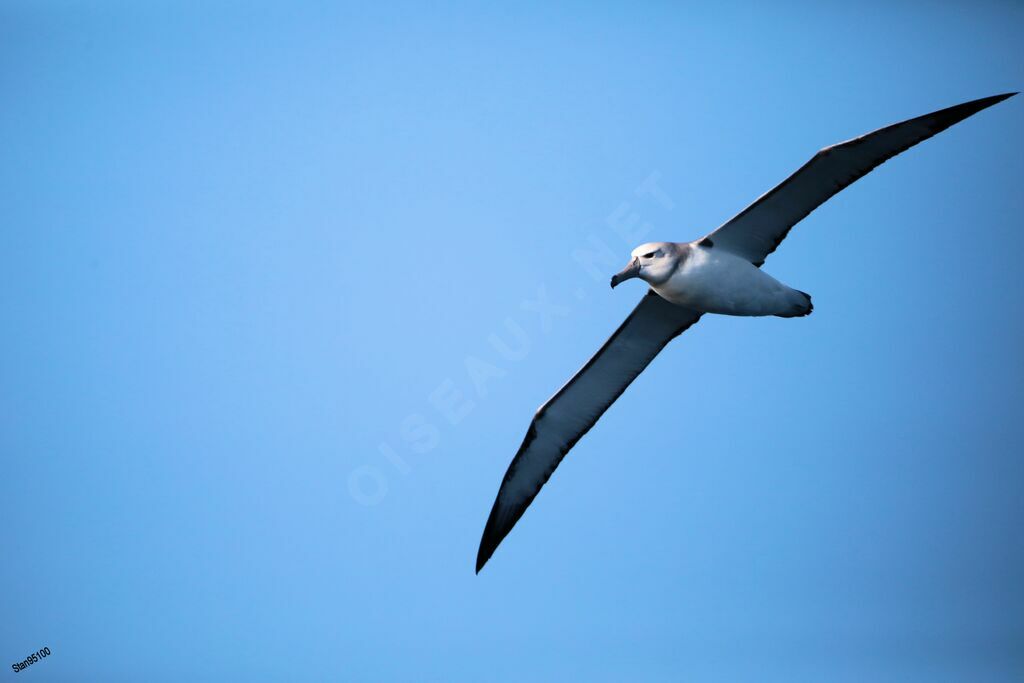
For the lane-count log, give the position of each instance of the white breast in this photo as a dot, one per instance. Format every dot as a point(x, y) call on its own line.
point(714, 281)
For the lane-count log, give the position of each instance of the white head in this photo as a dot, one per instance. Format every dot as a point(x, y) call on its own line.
point(653, 262)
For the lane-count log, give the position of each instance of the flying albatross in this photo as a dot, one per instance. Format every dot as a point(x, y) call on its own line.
point(718, 273)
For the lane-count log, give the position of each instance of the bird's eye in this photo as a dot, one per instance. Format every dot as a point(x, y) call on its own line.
point(650, 255)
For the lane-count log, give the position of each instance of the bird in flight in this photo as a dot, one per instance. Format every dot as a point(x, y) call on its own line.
point(718, 273)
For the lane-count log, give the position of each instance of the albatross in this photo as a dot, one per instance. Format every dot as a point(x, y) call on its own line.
point(718, 273)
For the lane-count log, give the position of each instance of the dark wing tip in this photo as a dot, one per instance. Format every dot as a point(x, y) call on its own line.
point(974, 106)
point(487, 546)
point(482, 557)
point(982, 102)
point(944, 118)
point(495, 531)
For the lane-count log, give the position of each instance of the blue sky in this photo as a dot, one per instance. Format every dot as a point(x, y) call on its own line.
point(250, 252)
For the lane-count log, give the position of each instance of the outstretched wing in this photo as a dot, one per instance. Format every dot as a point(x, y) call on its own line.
point(576, 407)
point(757, 230)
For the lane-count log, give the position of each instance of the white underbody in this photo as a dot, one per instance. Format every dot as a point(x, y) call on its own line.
point(712, 280)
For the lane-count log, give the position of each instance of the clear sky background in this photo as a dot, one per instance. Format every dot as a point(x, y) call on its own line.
point(247, 251)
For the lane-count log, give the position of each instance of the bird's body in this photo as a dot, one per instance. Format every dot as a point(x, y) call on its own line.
point(720, 273)
point(713, 280)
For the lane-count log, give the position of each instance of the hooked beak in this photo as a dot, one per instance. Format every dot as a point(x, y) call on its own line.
point(630, 271)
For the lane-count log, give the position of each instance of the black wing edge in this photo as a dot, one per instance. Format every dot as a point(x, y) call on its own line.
point(499, 525)
point(944, 118)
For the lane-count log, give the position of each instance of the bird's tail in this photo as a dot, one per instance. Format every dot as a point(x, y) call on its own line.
point(801, 307)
